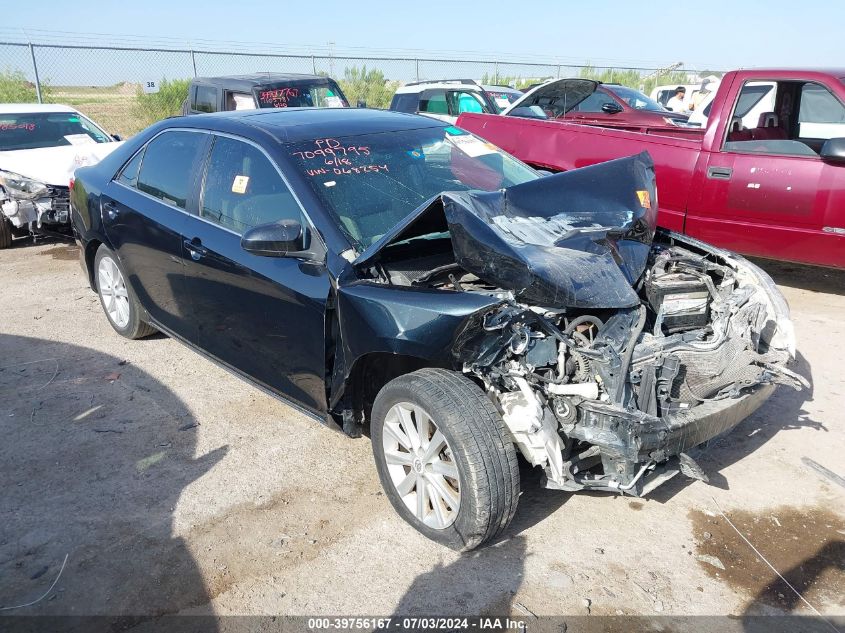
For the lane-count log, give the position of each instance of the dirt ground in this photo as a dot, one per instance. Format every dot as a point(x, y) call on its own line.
point(165, 485)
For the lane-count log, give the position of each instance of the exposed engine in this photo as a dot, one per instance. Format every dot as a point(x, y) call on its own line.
point(601, 399)
point(49, 211)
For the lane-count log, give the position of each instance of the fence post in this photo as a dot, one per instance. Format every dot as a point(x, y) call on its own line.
point(35, 70)
point(417, 64)
point(495, 73)
point(558, 71)
point(194, 62)
point(313, 65)
point(611, 75)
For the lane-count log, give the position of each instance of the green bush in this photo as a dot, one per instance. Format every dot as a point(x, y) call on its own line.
point(360, 84)
point(16, 88)
point(162, 104)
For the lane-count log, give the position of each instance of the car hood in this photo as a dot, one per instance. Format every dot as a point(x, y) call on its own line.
point(55, 165)
point(577, 239)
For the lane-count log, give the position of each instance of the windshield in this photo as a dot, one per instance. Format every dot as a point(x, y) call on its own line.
point(323, 93)
point(636, 99)
point(47, 129)
point(502, 99)
point(373, 181)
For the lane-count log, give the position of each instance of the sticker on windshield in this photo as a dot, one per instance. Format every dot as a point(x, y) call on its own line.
point(334, 102)
point(239, 184)
point(645, 199)
point(454, 131)
point(79, 139)
point(502, 102)
point(471, 146)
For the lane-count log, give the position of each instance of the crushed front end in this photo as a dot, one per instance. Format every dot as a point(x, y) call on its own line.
point(613, 348)
point(616, 399)
point(34, 207)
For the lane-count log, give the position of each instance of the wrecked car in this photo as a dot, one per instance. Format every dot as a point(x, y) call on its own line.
point(40, 146)
point(388, 271)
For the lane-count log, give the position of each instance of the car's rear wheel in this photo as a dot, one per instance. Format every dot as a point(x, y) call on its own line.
point(118, 301)
point(5, 232)
point(444, 457)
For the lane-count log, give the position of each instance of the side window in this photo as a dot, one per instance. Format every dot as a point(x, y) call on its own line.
point(239, 101)
point(593, 103)
point(204, 99)
point(407, 102)
point(243, 189)
point(462, 101)
point(820, 114)
point(434, 101)
point(129, 174)
point(168, 162)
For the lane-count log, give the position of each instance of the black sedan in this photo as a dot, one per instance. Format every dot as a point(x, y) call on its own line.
point(388, 270)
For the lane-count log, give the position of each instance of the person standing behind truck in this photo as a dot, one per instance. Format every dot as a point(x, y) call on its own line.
point(676, 103)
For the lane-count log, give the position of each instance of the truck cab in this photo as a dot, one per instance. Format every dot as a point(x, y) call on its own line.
point(262, 90)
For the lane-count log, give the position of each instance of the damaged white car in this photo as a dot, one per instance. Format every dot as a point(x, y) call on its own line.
point(40, 147)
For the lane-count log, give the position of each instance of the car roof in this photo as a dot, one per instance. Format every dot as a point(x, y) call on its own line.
point(419, 86)
point(30, 108)
point(247, 82)
point(291, 125)
point(494, 88)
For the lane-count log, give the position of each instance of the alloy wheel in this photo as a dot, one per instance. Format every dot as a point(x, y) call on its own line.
point(113, 292)
point(421, 466)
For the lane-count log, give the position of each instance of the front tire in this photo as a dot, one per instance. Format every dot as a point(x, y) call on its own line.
point(119, 302)
point(444, 457)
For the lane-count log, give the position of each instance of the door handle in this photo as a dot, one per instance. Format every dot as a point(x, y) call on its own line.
point(111, 209)
point(195, 249)
point(720, 173)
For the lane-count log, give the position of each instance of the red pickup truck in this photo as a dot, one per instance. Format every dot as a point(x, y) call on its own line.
point(775, 190)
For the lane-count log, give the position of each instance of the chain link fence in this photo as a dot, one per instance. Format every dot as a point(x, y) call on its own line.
point(104, 82)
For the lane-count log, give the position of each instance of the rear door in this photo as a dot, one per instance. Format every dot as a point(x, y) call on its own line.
point(767, 192)
point(262, 316)
point(144, 218)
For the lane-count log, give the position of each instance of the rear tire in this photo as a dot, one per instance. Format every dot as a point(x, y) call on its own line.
point(467, 493)
point(119, 302)
point(5, 233)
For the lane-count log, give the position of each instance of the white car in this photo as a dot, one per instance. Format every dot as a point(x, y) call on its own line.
point(40, 147)
point(446, 99)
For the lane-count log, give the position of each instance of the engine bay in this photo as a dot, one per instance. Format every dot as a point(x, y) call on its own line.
point(592, 396)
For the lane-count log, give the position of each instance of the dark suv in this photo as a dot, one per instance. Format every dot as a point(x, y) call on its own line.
point(262, 90)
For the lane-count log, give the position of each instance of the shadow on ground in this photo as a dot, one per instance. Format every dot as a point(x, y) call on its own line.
point(94, 456)
point(813, 278)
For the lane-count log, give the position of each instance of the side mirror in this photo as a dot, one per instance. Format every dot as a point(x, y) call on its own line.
point(117, 137)
point(833, 150)
point(611, 108)
point(361, 104)
point(277, 239)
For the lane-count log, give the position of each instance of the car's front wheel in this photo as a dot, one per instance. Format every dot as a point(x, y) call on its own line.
point(445, 458)
point(118, 301)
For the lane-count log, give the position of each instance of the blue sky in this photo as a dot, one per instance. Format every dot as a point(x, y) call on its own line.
point(715, 34)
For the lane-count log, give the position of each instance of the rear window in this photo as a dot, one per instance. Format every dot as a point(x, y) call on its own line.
point(167, 165)
point(47, 129)
point(320, 93)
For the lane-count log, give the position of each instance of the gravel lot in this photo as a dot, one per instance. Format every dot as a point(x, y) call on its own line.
point(171, 486)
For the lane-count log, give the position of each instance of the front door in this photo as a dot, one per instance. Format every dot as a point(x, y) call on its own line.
point(144, 218)
point(262, 316)
point(768, 192)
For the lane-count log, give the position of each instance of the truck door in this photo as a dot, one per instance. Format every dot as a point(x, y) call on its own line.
point(767, 192)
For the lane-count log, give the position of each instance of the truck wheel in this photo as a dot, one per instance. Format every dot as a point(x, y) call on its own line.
point(5, 233)
point(444, 457)
point(118, 301)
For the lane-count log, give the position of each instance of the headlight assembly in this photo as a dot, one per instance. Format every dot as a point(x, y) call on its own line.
point(21, 187)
